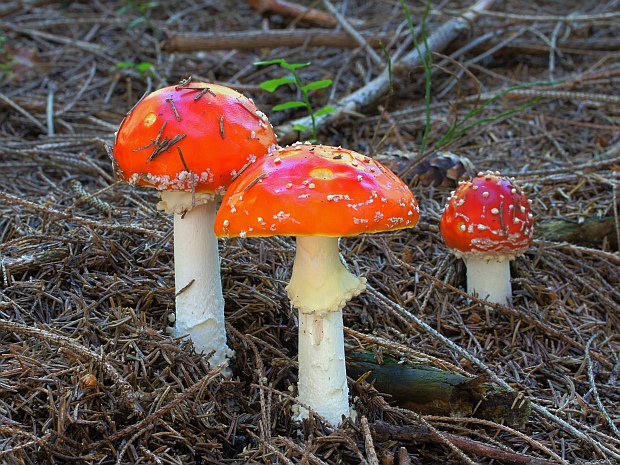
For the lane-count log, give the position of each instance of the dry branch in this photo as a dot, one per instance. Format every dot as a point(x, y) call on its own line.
point(248, 40)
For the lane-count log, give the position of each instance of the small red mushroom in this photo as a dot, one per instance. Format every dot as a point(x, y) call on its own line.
point(488, 222)
point(318, 193)
point(189, 141)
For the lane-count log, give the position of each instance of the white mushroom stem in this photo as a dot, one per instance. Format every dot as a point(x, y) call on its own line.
point(489, 278)
point(320, 282)
point(320, 287)
point(322, 371)
point(199, 300)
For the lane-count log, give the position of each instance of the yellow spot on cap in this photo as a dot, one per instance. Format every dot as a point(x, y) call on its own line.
point(322, 173)
point(150, 119)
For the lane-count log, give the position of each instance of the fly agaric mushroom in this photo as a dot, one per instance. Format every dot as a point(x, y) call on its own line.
point(488, 222)
point(318, 193)
point(189, 141)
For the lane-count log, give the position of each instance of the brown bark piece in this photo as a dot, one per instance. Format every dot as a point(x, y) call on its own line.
point(295, 11)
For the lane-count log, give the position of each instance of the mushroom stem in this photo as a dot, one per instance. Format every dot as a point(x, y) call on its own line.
point(320, 287)
point(199, 300)
point(489, 278)
point(320, 282)
point(322, 371)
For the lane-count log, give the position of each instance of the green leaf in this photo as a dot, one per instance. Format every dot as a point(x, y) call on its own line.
point(293, 66)
point(277, 61)
point(301, 127)
point(282, 63)
point(325, 110)
point(287, 105)
point(272, 84)
point(144, 66)
point(317, 85)
point(125, 64)
point(136, 21)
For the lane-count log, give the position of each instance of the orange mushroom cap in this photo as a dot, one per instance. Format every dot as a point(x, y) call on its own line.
point(489, 215)
point(305, 190)
point(193, 136)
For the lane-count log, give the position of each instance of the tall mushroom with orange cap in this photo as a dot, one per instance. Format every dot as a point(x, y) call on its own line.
point(488, 222)
point(189, 141)
point(318, 194)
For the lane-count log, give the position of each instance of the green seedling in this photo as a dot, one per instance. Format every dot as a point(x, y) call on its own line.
point(293, 78)
point(144, 67)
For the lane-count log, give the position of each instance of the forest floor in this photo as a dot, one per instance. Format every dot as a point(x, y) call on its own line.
point(88, 371)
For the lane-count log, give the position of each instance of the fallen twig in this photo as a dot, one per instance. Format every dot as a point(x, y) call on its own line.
point(371, 453)
point(24, 112)
point(248, 40)
point(346, 25)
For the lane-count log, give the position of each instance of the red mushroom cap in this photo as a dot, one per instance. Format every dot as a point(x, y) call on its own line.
point(313, 190)
point(194, 136)
point(488, 216)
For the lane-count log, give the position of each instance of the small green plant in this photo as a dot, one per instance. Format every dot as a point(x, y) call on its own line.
point(293, 78)
point(143, 67)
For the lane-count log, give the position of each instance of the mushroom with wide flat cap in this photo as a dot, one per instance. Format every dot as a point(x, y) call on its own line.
point(488, 222)
point(318, 194)
point(189, 141)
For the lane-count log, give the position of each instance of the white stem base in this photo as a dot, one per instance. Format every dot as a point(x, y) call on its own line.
point(489, 279)
point(199, 305)
point(322, 371)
